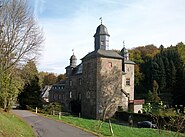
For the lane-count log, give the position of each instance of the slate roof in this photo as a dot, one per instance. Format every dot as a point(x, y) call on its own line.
point(57, 87)
point(45, 91)
point(103, 53)
point(73, 57)
point(101, 30)
point(78, 69)
point(129, 62)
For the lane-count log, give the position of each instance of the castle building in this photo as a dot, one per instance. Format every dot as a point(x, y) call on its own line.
point(101, 83)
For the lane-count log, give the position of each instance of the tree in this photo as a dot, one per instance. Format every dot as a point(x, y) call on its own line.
point(11, 85)
point(50, 79)
point(162, 75)
point(149, 96)
point(110, 95)
point(60, 77)
point(143, 56)
point(155, 97)
point(20, 40)
point(164, 65)
point(173, 74)
point(161, 49)
point(30, 96)
point(181, 51)
point(148, 51)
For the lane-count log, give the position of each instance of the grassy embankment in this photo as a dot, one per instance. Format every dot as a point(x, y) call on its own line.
point(119, 131)
point(11, 126)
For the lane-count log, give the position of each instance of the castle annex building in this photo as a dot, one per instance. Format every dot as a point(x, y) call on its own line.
point(101, 83)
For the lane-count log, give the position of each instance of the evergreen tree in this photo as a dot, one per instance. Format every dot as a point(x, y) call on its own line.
point(161, 49)
point(167, 69)
point(155, 97)
point(31, 92)
point(161, 75)
point(149, 96)
point(155, 70)
point(172, 79)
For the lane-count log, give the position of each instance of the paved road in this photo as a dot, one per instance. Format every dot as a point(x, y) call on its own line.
point(44, 127)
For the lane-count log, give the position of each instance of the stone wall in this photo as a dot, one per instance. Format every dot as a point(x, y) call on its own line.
point(109, 83)
point(57, 94)
point(89, 90)
point(73, 90)
point(129, 70)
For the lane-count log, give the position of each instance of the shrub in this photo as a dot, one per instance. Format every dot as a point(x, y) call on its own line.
point(52, 107)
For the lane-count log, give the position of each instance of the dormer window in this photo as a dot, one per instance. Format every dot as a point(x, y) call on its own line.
point(102, 43)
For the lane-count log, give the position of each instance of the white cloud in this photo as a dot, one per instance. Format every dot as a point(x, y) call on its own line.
point(137, 22)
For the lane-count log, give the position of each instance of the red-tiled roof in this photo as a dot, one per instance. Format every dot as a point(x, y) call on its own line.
point(137, 102)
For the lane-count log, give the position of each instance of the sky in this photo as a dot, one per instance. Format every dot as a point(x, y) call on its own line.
point(71, 24)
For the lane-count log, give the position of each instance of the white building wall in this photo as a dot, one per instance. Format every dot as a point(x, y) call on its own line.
point(129, 74)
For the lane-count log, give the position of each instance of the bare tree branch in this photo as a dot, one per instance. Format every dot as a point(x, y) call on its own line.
point(20, 36)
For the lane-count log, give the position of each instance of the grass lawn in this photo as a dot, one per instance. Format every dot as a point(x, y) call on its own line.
point(11, 126)
point(119, 131)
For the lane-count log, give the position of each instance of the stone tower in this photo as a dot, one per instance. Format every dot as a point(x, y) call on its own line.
point(127, 79)
point(73, 62)
point(102, 78)
point(101, 38)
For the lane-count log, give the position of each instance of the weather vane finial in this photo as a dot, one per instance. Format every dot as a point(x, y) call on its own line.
point(73, 51)
point(123, 44)
point(101, 19)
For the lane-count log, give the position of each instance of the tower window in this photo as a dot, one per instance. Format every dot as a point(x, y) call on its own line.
point(63, 96)
point(70, 94)
point(110, 64)
point(70, 83)
point(128, 69)
point(102, 43)
point(107, 43)
point(55, 96)
point(79, 96)
point(87, 94)
point(80, 81)
point(128, 81)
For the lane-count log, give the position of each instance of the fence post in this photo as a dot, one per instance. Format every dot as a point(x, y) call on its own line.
point(59, 115)
point(111, 130)
point(36, 110)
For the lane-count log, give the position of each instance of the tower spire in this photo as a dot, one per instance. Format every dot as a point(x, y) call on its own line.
point(123, 44)
point(73, 60)
point(73, 51)
point(100, 19)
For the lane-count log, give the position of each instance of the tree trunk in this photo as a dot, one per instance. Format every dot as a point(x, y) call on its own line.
point(5, 104)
